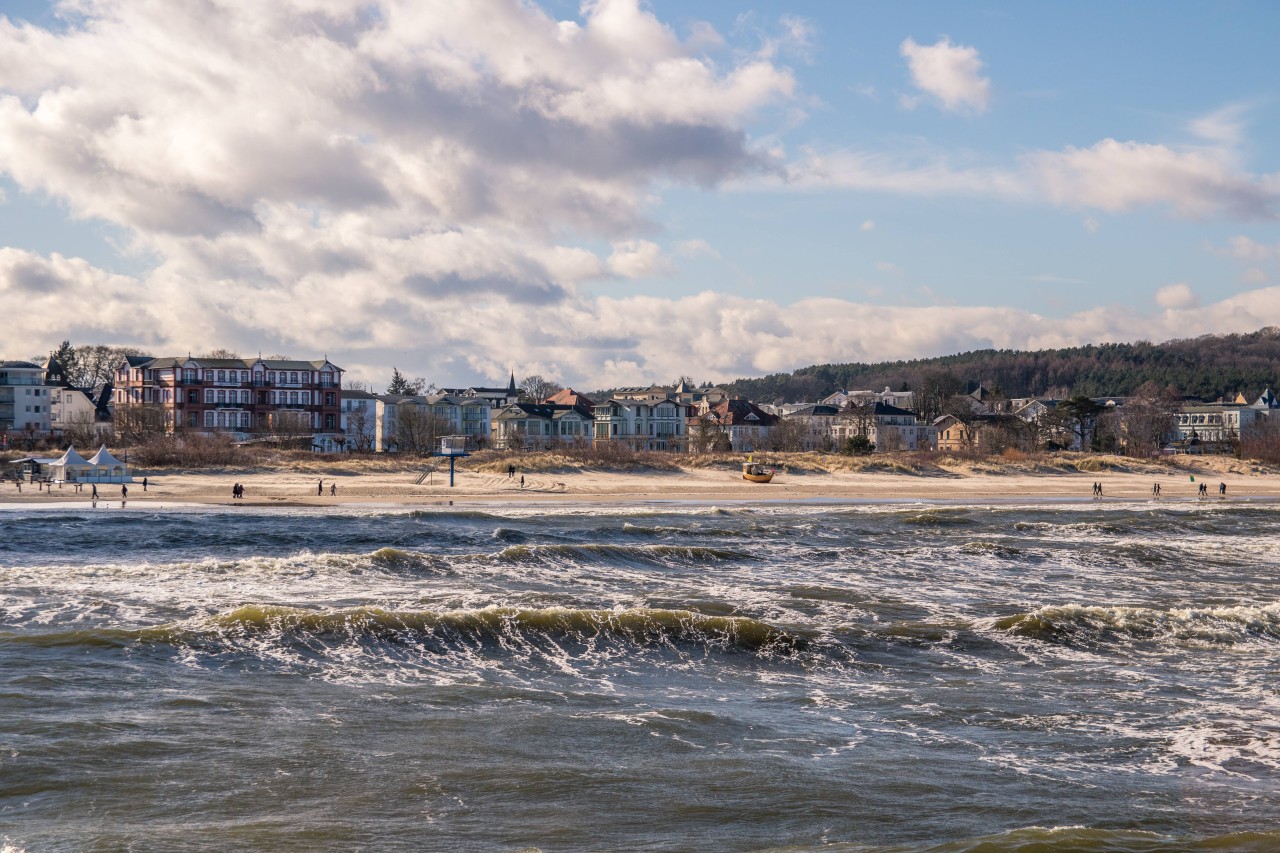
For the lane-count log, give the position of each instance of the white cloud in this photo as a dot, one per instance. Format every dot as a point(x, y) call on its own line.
point(696, 248)
point(1091, 225)
point(1176, 296)
point(347, 175)
point(1224, 127)
point(1245, 249)
point(638, 259)
point(888, 267)
point(868, 225)
point(950, 73)
point(1118, 176)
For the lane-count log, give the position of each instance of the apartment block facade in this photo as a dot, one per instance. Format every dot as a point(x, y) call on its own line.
point(240, 396)
point(25, 398)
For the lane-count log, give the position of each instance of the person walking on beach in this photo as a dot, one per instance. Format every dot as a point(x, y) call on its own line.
point(320, 487)
point(522, 481)
point(1222, 490)
point(94, 496)
point(144, 484)
point(124, 494)
point(333, 489)
point(511, 472)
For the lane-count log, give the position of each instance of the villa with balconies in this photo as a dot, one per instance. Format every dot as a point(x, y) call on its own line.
point(240, 396)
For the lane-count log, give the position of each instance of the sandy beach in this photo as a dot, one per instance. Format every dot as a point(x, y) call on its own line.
point(1131, 481)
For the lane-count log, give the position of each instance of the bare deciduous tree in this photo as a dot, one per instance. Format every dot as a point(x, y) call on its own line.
point(417, 429)
point(787, 436)
point(537, 389)
point(138, 423)
point(1149, 419)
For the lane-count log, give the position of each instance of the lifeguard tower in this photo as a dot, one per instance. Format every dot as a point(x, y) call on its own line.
point(452, 447)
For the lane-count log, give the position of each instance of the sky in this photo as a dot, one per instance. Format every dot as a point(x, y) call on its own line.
point(621, 192)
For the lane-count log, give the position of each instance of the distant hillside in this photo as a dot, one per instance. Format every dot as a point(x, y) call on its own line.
point(1207, 367)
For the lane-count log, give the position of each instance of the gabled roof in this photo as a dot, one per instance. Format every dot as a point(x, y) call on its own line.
point(817, 410)
point(570, 397)
point(21, 365)
point(886, 409)
point(740, 411)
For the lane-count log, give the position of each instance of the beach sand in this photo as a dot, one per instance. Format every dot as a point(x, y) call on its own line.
point(965, 484)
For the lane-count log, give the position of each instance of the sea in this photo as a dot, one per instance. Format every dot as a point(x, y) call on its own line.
point(817, 676)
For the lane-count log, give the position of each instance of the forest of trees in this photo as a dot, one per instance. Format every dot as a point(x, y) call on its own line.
point(1207, 367)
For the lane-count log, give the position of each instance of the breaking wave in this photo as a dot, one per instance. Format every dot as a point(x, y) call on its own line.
point(1074, 624)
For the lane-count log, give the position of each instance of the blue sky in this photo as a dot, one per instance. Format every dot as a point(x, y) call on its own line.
point(620, 192)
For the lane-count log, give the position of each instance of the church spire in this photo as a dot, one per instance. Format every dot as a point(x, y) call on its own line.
point(512, 386)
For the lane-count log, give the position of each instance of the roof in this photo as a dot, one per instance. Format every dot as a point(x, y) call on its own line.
point(71, 457)
point(816, 410)
point(886, 409)
point(740, 411)
point(103, 458)
point(570, 397)
point(167, 361)
point(351, 394)
point(21, 365)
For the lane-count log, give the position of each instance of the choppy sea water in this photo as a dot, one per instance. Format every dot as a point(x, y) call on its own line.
point(661, 677)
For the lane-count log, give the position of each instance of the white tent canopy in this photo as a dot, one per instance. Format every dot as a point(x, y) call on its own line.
point(71, 457)
point(102, 468)
point(104, 459)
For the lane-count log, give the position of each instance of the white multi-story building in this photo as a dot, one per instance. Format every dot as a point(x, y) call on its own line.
point(26, 399)
point(650, 423)
point(357, 421)
point(412, 423)
point(540, 425)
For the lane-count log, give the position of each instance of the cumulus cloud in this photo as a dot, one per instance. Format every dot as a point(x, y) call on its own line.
point(638, 259)
point(355, 175)
point(1245, 249)
point(1176, 296)
point(950, 73)
point(1118, 176)
point(388, 181)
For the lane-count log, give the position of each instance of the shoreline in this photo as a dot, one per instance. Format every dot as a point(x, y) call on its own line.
point(399, 489)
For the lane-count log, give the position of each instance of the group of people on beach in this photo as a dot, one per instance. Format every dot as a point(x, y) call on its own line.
point(1203, 491)
point(1097, 490)
point(333, 488)
point(237, 491)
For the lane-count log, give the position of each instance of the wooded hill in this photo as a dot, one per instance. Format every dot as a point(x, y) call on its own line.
point(1207, 367)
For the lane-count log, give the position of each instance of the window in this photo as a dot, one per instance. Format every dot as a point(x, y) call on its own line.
point(293, 377)
point(329, 399)
point(189, 375)
point(208, 395)
point(222, 397)
point(208, 419)
point(271, 377)
point(193, 396)
point(244, 376)
point(306, 398)
point(192, 419)
point(293, 398)
point(328, 421)
point(222, 375)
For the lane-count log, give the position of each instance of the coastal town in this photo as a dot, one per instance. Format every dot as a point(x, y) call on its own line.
point(305, 405)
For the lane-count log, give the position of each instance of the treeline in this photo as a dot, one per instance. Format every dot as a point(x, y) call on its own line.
point(1207, 367)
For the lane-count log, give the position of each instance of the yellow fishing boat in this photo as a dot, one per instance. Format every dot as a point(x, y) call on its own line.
point(756, 473)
